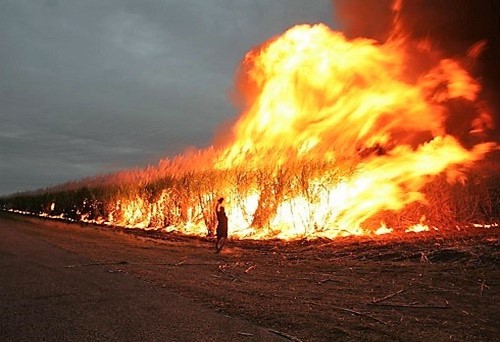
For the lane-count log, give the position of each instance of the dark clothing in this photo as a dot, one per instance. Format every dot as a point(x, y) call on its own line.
point(221, 222)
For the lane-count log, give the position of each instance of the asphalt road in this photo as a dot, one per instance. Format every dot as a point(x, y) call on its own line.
point(42, 299)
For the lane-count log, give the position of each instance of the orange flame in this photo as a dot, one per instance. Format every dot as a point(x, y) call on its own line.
point(335, 132)
point(313, 95)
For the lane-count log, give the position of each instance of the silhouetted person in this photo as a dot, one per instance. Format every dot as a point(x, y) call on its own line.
point(221, 224)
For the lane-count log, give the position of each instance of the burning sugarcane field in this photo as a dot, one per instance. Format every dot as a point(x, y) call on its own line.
point(354, 195)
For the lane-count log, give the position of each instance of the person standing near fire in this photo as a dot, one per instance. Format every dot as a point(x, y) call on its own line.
point(221, 231)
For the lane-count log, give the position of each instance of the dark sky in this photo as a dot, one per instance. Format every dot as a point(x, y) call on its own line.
point(94, 86)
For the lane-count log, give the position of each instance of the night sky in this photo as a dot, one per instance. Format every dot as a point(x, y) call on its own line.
point(96, 86)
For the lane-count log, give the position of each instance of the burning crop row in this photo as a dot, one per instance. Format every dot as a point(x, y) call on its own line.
point(185, 203)
point(337, 137)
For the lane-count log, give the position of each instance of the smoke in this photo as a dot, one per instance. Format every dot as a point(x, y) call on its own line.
point(364, 18)
point(463, 29)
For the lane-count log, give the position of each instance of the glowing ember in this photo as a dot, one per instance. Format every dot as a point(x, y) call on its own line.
point(417, 228)
point(383, 230)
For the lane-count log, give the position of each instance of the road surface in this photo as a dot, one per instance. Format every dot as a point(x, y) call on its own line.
point(47, 295)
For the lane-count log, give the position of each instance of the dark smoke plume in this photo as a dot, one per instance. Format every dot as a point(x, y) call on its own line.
point(455, 27)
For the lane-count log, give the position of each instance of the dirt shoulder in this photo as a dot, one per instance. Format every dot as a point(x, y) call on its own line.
point(414, 288)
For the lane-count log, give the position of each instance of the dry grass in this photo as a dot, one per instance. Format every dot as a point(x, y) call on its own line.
point(189, 196)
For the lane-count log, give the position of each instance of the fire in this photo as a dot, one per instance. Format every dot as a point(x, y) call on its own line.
point(335, 134)
point(314, 96)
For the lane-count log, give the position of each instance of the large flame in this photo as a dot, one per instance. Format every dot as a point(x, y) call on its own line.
point(312, 95)
point(334, 133)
